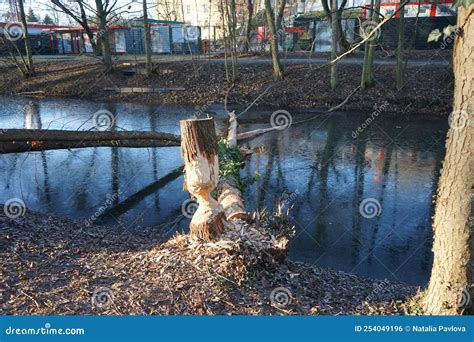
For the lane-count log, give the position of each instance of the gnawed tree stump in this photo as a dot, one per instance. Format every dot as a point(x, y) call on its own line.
point(199, 152)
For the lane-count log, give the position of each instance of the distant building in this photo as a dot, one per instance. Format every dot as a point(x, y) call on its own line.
point(203, 13)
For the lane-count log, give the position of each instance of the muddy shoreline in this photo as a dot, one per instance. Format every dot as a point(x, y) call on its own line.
point(428, 89)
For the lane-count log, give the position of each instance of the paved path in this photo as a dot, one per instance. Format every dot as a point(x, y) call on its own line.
point(436, 59)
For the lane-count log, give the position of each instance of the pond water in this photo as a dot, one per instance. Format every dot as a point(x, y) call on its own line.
point(360, 204)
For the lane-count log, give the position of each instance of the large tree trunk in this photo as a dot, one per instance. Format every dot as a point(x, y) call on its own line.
point(248, 30)
point(369, 51)
point(334, 34)
point(400, 49)
point(451, 277)
point(149, 66)
point(343, 43)
point(279, 18)
point(104, 35)
point(277, 68)
point(26, 38)
point(199, 151)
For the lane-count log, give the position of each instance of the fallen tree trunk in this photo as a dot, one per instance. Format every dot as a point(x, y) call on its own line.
point(254, 133)
point(23, 140)
point(230, 196)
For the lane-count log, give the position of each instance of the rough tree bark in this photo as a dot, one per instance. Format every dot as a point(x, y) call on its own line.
point(279, 18)
point(248, 29)
point(369, 51)
point(103, 35)
point(199, 152)
point(26, 38)
point(343, 43)
point(400, 49)
point(149, 66)
point(277, 68)
point(334, 35)
point(451, 275)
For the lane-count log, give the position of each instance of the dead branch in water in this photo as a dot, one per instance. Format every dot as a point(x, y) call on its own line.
point(24, 140)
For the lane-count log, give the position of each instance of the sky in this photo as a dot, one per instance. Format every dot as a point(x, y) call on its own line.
point(41, 7)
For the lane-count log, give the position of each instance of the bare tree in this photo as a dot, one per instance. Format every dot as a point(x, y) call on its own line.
point(341, 37)
point(30, 70)
point(102, 11)
point(79, 16)
point(369, 50)
point(146, 24)
point(277, 67)
point(248, 29)
point(334, 40)
point(452, 274)
point(400, 49)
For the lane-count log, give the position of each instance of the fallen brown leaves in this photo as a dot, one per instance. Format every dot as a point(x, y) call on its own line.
point(55, 266)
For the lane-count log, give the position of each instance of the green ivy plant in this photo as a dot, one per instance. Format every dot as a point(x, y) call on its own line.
point(230, 164)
